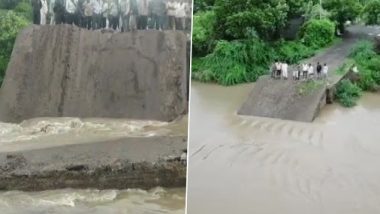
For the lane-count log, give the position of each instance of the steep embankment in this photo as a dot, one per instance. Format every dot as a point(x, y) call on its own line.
point(67, 71)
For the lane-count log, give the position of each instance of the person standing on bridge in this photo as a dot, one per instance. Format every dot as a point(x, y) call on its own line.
point(113, 14)
point(305, 69)
point(88, 11)
point(71, 9)
point(143, 12)
point(36, 5)
point(319, 70)
point(44, 12)
point(284, 70)
point(59, 12)
point(310, 70)
point(278, 70)
point(325, 70)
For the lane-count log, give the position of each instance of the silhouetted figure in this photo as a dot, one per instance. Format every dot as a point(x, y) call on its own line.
point(36, 5)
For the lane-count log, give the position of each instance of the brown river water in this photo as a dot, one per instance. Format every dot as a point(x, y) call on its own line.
point(240, 164)
point(48, 132)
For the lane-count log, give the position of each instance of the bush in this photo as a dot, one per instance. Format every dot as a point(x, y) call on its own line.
point(362, 51)
point(318, 33)
point(371, 12)
point(236, 18)
point(234, 62)
point(203, 33)
point(10, 25)
point(24, 9)
point(368, 63)
point(293, 51)
point(348, 93)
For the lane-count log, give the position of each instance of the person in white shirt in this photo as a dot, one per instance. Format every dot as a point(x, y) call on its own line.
point(105, 11)
point(180, 15)
point(97, 14)
point(51, 12)
point(143, 12)
point(325, 70)
point(71, 8)
point(113, 14)
point(284, 70)
point(171, 6)
point(44, 11)
point(305, 69)
point(310, 70)
point(88, 12)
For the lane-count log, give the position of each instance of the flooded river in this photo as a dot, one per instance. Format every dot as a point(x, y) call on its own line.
point(70, 201)
point(48, 132)
point(267, 166)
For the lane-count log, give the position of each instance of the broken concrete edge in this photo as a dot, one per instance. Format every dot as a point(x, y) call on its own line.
point(145, 74)
point(142, 163)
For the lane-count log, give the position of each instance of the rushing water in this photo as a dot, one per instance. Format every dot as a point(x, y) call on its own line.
point(70, 201)
point(267, 166)
point(48, 132)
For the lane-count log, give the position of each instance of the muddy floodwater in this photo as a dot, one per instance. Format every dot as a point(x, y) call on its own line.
point(70, 201)
point(240, 164)
point(48, 132)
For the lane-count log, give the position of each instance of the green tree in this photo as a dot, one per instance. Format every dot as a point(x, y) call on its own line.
point(203, 5)
point(10, 25)
point(371, 12)
point(318, 33)
point(203, 32)
point(236, 19)
point(343, 10)
point(9, 4)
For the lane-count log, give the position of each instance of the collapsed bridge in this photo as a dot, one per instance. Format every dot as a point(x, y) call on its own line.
point(67, 71)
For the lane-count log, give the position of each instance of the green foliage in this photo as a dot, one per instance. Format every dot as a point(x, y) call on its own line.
point(305, 88)
point(315, 11)
point(297, 8)
point(9, 4)
point(293, 51)
point(343, 10)
point(318, 33)
point(235, 19)
point(345, 67)
point(10, 25)
point(368, 63)
point(24, 8)
point(371, 12)
point(348, 93)
point(362, 51)
point(203, 33)
point(234, 62)
point(203, 5)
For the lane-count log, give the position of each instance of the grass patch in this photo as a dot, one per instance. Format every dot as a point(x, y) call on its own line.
point(368, 63)
point(343, 69)
point(306, 88)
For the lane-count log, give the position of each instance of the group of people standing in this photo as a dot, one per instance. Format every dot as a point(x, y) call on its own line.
point(123, 15)
point(302, 71)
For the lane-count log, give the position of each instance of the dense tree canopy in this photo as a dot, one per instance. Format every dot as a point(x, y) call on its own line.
point(343, 10)
point(240, 18)
point(371, 12)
